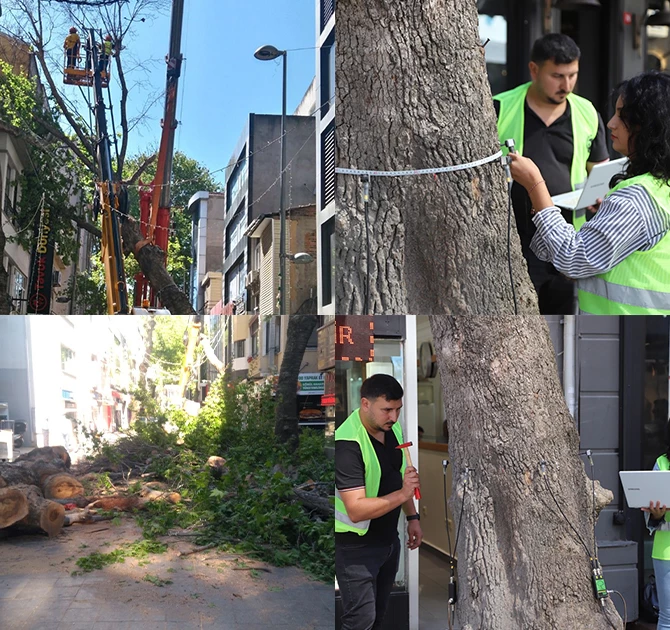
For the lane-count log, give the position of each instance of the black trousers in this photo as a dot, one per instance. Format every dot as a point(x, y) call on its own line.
point(365, 575)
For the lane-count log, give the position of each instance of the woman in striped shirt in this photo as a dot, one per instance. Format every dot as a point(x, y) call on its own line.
point(621, 257)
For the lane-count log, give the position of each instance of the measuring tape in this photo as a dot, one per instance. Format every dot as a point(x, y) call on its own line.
point(420, 171)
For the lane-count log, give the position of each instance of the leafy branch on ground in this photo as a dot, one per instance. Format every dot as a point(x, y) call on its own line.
point(248, 505)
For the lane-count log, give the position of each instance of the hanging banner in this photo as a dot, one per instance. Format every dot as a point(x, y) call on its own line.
point(41, 266)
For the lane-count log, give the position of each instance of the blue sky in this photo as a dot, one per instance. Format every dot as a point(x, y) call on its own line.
point(221, 81)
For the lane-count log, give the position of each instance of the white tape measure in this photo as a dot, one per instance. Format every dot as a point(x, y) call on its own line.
point(420, 171)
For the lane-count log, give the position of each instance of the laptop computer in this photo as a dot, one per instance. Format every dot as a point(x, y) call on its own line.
point(643, 486)
point(597, 185)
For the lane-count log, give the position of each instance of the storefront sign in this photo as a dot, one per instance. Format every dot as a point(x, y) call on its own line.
point(311, 383)
point(354, 338)
point(326, 346)
point(41, 266)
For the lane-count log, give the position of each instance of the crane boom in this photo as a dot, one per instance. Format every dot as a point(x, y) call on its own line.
point(155, 203)
point(111, 250)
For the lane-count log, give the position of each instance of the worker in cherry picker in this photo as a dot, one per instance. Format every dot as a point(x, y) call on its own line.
point(106, 49)
point(71, 45)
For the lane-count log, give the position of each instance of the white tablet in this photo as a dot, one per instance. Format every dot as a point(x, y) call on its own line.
point(643, 486)
point(596, 187)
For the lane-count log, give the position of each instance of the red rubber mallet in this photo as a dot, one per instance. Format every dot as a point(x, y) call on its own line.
point(405, 446)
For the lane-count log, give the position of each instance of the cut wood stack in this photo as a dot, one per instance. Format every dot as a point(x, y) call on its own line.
point(28, 485)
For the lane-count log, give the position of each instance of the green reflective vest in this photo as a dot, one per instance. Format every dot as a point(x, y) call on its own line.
point(352, 429)
point(107, 47)
point(639, 284)
point(661, 548)
point(511, 122)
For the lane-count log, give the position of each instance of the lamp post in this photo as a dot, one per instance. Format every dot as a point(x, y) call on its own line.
point(268, 53)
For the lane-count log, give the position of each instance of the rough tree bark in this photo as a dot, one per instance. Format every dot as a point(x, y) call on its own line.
point(412, 93)
point(151, 261)
point(300, 328)
point(519, 563)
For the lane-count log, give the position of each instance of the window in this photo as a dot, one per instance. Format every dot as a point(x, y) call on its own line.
point(237, 180)
point(328, 166)
point(66, 359)
point(327, 53)
point(235, 281)
point(327, 260)
point(254, 339)
point(17, 290)
point(327, 9)
point(493, 26)
point(235, 230)
point(239, 349)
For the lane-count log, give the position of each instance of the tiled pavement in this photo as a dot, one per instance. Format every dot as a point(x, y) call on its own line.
point(208, 590)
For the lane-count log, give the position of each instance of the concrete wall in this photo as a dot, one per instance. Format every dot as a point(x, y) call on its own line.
point(300, 177)
point(301, 238)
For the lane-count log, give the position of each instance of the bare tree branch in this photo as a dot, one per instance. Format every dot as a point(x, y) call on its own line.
point(142, 167)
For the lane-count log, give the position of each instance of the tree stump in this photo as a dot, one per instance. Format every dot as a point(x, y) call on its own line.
point(13, 506)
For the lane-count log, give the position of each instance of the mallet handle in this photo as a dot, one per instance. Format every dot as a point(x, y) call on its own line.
point(417, 492)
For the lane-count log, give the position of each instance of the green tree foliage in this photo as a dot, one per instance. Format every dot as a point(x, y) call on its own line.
point(50, 173)
point(188, 178)
point(169, 348)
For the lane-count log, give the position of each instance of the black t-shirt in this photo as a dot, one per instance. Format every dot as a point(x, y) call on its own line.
point(550, 147)
point(350, 474)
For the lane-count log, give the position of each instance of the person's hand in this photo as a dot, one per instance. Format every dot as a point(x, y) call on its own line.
point(657, 512)
point(595, 207)
point(524, 170)
point(414, 534)
point(410, 482)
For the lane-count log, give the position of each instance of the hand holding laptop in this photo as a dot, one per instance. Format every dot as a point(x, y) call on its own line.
point(657, 512)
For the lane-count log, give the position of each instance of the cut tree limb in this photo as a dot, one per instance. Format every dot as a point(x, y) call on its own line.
point(314, 501)
point(151, 261)
point(13, 506)
point(11, 475)
point(62, 486)
point(46, 454)
point(42, 513)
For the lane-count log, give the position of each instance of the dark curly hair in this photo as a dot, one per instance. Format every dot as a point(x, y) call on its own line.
point(646, 114)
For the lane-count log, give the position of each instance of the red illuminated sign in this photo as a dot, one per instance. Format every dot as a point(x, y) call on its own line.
point(354, 338)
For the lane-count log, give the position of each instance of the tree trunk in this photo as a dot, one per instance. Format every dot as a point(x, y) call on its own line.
point(300, 328)
point(13, 506)
point(151, 261)
point(418, 97)
point(42, 513)
point(62, 486)
point(520, 564)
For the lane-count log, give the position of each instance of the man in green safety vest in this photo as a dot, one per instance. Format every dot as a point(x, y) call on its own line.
point(106, 50)
point(565, 136)
point(372, 484)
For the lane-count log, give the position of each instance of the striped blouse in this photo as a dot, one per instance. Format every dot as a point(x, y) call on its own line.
point(627, 221)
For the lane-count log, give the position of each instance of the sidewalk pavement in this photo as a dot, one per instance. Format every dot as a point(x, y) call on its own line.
point(209, 589)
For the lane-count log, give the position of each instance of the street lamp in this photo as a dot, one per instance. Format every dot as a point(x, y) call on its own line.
point(268, 53)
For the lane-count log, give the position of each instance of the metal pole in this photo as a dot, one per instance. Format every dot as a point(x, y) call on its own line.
point(282, 205)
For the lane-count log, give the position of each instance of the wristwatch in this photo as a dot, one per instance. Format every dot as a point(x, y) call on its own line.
point(413, 517)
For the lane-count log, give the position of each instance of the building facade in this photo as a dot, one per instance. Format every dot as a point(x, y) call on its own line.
point(325, 154)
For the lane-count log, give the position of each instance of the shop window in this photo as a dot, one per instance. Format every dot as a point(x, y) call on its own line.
point(493, 27)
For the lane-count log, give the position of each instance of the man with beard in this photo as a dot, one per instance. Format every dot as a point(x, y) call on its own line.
point(372, 483)
point(565, 136)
